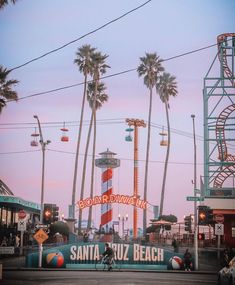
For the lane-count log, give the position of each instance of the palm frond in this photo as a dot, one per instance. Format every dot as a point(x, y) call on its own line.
point(150, 67)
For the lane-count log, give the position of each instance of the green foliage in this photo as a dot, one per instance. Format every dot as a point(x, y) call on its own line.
point(6, 92)
point(153, 229)
point(169, 218)
point(59, 227)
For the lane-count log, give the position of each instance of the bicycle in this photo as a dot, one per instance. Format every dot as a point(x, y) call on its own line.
point(105, 263)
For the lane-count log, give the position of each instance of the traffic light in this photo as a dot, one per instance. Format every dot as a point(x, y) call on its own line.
point(55, 213)
point(205, 215)
point(202, 211)
point(47, 214)
point(188, 224)
point(50, 213)
point(210, 217)
point(201, 236)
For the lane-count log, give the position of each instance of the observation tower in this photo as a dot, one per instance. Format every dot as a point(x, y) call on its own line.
point(107, 162)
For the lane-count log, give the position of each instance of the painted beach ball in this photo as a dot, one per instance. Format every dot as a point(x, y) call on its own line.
point(176, 262)
point(55, 259)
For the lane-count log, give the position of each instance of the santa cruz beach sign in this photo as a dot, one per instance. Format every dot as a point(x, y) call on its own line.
point(85, 255)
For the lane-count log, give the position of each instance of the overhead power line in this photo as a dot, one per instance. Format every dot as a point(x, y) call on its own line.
point(73, 153)
point(85, 35)
point(108, 76)
point(69, 86)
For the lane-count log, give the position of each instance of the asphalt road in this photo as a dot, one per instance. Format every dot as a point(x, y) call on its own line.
point(25, 277)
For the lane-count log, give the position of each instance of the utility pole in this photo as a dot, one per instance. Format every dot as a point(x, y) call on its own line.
point(195, 194)
point(136, 123)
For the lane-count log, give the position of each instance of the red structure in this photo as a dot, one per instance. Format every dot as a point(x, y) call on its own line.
point(106, 163)
point(136, 123)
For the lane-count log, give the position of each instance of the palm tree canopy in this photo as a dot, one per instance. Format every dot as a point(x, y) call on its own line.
point(3, 3)
point(6, 92)
point(101, 96)
point(99, 65)
point(166, 86)
point(150, 67)
point(83, 59)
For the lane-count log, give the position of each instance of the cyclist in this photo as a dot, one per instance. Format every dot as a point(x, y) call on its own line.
point(108, 256)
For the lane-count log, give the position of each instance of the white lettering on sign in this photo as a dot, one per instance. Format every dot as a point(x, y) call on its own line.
point(85, 252)
point(153, 253)
point(147, 253)
point(160, 255)
point(122, 252)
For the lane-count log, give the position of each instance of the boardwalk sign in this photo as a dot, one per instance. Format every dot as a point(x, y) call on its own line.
point(112, 198)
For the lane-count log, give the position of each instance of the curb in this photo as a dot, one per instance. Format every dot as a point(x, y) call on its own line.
point(126, 270)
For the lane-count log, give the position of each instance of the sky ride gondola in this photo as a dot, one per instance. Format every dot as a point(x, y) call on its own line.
point(64, 137)
point(34, 142)
point(129, 138)
point(163, 142)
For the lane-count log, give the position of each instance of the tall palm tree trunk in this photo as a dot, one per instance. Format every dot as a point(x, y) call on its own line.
point(84, 172)
point(78, 148)
point(147, 162)
point(93, 156)
point(166, 160)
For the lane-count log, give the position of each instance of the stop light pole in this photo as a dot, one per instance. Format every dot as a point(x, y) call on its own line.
point(195, 201)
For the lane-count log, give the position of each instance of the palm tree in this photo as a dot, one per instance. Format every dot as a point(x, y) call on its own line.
point(6, 92)
point(99, 68)
point(101, 97)
point(83, 61)
point(166, 87)
point(150, 67)
point(3, 3)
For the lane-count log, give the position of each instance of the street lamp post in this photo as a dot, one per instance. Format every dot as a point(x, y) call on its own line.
point(195, 194)
point(43, 146)
point(123, 219)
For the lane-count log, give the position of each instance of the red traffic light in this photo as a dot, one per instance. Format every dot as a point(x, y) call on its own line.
point(201, 236)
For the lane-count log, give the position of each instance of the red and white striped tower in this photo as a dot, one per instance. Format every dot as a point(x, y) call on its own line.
point(107, 162)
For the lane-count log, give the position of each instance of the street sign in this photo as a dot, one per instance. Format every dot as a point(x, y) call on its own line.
point(40, 236)
point(194, 198)
point(21, 214)
point(41, 226)
point(219, 229)
point(219, 218)
point(21, 226)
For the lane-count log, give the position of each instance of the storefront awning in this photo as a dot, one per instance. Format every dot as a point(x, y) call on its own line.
point(9, 201)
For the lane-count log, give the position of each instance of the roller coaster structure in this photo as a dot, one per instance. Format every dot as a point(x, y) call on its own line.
point(219, 121)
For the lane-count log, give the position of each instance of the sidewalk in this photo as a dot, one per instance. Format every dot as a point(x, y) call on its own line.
point(19, 263)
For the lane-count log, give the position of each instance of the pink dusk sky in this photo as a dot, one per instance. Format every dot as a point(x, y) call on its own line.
point(169, 28)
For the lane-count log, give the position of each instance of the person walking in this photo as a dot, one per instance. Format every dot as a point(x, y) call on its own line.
point(17, 241)
point(187, 260)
